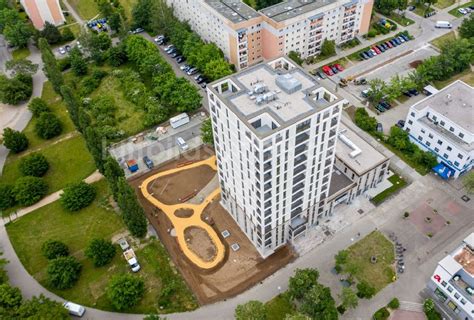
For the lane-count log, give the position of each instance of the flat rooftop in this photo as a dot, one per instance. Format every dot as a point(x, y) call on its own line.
point(453, 102)
point(233, 10)
point(339, 182)
point(447, 134)
point(466, 259)
point(293, 8)
point(355, 152)
point(268, 97)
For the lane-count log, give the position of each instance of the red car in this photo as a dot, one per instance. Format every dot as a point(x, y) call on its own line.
point(327, 70)
point(339, 67)
point(376, 50)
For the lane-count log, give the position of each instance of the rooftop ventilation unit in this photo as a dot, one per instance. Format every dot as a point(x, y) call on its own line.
point(288, 83)
point(355, 149)
point(266, 97)
point(260, 88)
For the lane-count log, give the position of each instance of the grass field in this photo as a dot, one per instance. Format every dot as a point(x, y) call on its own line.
point(441, 4)
point(22, 53)
point(128, 6)
point(69, 161)
point(401, 20)
point(438, 42)
point(28, 233)
point(455, 12)
point(378, 274)
point(421, 9)
point(397, 184)
point(279, 307)
point(88, 9)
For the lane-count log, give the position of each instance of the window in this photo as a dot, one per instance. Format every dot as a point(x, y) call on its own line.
point(410, 122)
point(422, 130)
point(436, 150)
point(456, 163)
point(430, 136)
point(450, 289)
point(463, 301)
point(460, 156)
point(451, 129)
point(456, 295)
point(461, 135)
point(445, 156)
point(420, 138)
point(449, 148)
point(440, 142)
point(442, 123)
point(444, 283)
point(412, 114)
point(428, 143)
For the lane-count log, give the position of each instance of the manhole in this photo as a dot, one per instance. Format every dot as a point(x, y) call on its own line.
point(235, 247)
point(465, 198)
point(225, 233)
point(360, 211)
point(327, 233)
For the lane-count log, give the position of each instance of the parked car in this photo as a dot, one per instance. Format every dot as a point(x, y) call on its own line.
point(379, 127)
point(463, 11)
point(393, 42)
point(321, 74)
point(400, 123)
point(411, 8)
point(62, 50)
point(201, 80)
point(159, 38)
point(382, 49)
point(74, 309)
point(175, 54)
point(334, 69)
point(405, 37)
point(67, 47)
point(327, 70)
point(414, 92)
point(377, 50)
point(380, 108)
point(137, 30)
point(180, 59)
point(192, 71)
point(189, 67)
point(204, 85)
point(168, 48)
point(386, 105)
point(373, 52)
point(184, 66)
point(369, 53)
point(182, 144)
point(365, 93)
point(364, 56)
point(123, 243)
point(148, 162)
point(388, 44)
point(171, 51)
point(338, 67)
point(401, 39)
point(407, 93)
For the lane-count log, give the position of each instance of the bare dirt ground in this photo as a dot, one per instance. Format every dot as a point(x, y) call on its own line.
point(239, 271)
point(200, 243)
point(184, 213)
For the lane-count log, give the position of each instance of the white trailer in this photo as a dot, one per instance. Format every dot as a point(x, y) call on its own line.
point(443, 24)
point(179, 120)
point(131, 259)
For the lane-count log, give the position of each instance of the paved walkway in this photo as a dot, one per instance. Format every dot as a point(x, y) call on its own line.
point(181, 224)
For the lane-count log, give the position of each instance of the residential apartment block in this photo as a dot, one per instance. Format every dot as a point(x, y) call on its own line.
point(247, 37)
point(275, 131)
point(452, 282)
point(443, 124)
point(42, 11)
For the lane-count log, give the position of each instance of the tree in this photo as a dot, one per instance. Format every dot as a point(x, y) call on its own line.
point(377, 89)
point(48, 125)
point(23, 66)
point(468, 181)
point(8, 16)
point(50, 66)
point(67, 35)
point(216, 69)
point(72, 105)
point(7, 197)
point(124, 291)
point(10, 297)
point(100, 251)
point(112, 172)
point(261, 4)
point(302, 282)
point(14, 140)
point(52, 249)
point(394, 88)
point(63, 272)
point(297, 316)
point(34, 165)
point(51, 33)
point(296, 57)
point(141, 14)
point(349, 298)
point(253, 309)
point(29, 190)
point(364, 290)
point(319, 304)
point(328, 48)
point(15, 90)
point(116, 56)
point(116, 22)
point(394, 304)
point(206, 132)
point(387, 6)
point(466, 29)
point(37, 106)
point(77, 196)
point(132, 212)
point(364, 121)
point(42, 308)
point(78, 64)
point(17, 34)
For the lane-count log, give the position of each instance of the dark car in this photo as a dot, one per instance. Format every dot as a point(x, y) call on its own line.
point(162, 41)
point(369, 53)
point(175, 54)
point(393, 42)
point(407, 93)
point(334, 69)
point(67, 47)
point(172, 51)
point(405, 37)
point(386, 47)
point(201, 80)
point(204, 85)
point(364, 56)
point(386, 105)
point(414, 92)
point(382, 49)
point(321, 75)
point(148, 162)
point(180, 59)
point(379, 127)
point(380, 108)
point(397, 41)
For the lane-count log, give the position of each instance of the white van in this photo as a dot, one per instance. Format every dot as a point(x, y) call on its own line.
point(182, 144)
point(443, 24)
point(179, 120)
point(74, 309)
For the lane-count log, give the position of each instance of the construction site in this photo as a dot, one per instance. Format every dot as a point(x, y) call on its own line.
point(182, 201)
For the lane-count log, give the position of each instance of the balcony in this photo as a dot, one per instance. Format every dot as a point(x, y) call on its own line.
point(302, 137)
point(299, 178)
point(299, 169)
point(300, 159)
point(297, 196)
point(296, 204)
point(267, 186)
point(297, 187)
point(267, 155)
point(267, 166)
point(300, 149)
point(267, 176)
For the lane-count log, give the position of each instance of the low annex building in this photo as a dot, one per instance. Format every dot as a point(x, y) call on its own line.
point(42, 11)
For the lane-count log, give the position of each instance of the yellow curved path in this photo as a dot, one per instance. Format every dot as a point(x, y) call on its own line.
point(180, 224)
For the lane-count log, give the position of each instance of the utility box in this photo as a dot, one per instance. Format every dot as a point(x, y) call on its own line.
point(132, 165)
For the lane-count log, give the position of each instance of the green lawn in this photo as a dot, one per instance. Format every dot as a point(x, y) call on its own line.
point(128, 115)
point(441, 4)
point(69, 161)
point(466, 76)
point(401, 20)
point(73, 25)
point(421, 9)
point(128, 6)
point(22, 53)
point(438, 42)
point(397, 184)
point(279, 307)
point(87, 9)
point(455, 12)
point(28, 233)
point(378, 274)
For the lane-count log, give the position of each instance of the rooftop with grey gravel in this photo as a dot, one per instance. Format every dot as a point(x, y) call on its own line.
point(234, 10)
point(293, 8)
point(453, 102)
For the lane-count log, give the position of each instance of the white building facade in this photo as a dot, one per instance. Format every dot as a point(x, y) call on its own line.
point(443, 124)
point(452, 283)
point(275, 131)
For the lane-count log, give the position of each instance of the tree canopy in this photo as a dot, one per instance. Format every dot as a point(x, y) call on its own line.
point(253, 309)
point(124, 291)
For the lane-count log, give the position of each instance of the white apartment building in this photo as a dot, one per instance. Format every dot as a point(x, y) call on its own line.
point(247, 37)
point(452, 283)
point(443, 124)
point(275, 131)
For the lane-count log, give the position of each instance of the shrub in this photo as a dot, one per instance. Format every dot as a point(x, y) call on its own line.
point(296, 57)
point(394, 303)
point(29, 190)
point(372, 33)
point(14, 140)
point(17, 89)
point(328, 48)
point(100, 251)
point(48, 126)
point(53, 249)
point(7, 196)
point(64, 63)
point(364, 290)
point(341, 309)
point(381, 314)
point(77, 196)
point(10, 298)
point(63, 272)
point(37, 106)
point(124, 291)
point(406, 214)
point(67, 35)
point(34, 165)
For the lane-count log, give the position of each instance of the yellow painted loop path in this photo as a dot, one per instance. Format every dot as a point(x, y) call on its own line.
point(180, 224)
